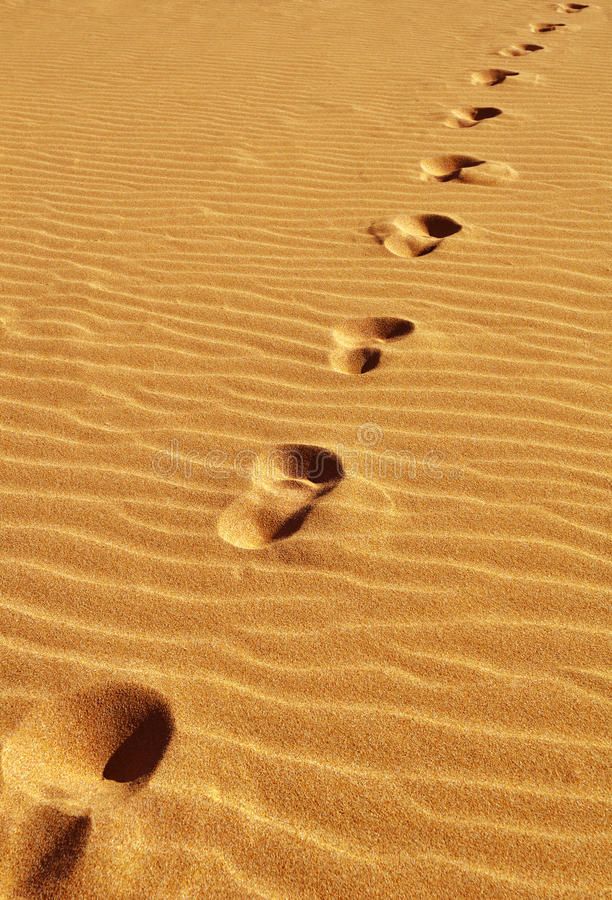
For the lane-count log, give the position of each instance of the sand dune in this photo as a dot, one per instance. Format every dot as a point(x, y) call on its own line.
point(305, 467)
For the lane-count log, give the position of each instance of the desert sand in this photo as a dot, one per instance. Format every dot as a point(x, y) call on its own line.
point(305, 459)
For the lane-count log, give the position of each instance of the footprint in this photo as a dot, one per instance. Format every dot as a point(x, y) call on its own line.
point(66, 763)
point(67, 751)
point(544, 27)
point(408, 236)
point(491, 77)
point(572, 7)
point(520, 49)
point(468, 116)
point(354, 354)
point(447, 168)
point(286, 483)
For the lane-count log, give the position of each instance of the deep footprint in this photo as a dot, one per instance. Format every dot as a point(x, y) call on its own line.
point(354, 354)
point(67, 750)
point(408, 236)
point(520, 49)
point(286, 483)
point(491, 77)
point(572, 7)
point(60, 765)
point(468, 116)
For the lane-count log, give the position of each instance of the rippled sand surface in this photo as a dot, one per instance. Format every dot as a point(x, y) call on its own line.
point(304, 449)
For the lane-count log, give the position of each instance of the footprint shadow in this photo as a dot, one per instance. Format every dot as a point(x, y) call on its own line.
point(137, 758)
point(286, 483)
point(440, 226)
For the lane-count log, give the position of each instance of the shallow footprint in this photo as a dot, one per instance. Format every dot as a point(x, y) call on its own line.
point(572, 7)
point(64, 763)
point(490, 77)
point(353, 354)
point(468, 116)
point(520, 49)
point(286, 482)
point(408, 236)
point(545, 27)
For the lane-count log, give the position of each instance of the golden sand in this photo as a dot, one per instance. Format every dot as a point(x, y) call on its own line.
point(305, 470)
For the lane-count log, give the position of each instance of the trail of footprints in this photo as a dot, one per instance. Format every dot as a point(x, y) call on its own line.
point(282, 495)
point(71, 761)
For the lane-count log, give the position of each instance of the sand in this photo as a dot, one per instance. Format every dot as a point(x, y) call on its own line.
point(304, 457)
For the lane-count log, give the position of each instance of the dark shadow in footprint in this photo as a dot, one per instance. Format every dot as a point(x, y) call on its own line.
point(139, 755)
point(440, 226)
point(59, 862)
point(292, 525)
point(392, 328)
point(371, 362)
point(427, 250)
point(468, 116)
point(50, 845)
point(486, 112)
point(572, 7)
